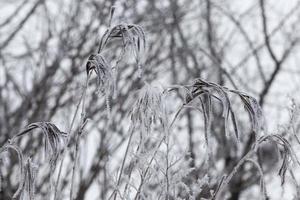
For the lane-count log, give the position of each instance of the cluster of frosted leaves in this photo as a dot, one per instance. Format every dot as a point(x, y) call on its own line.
point(54, 139)
point(133, 38)
point(206, 92)
point(148, 109)
point(104, 72)
point(54, 142)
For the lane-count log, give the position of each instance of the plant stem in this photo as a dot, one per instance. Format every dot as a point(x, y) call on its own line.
point(82, 99)
point(114, 194)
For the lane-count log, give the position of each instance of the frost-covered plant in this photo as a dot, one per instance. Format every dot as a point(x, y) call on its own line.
point(27, 174)
point(161, 171)
point(132, 36)
point(29, 180)
point(287, 154)
point(105, 78)
point(148, 109)
point(205, 92)
point(168, 178)
point(286, 151)
point(53, 142)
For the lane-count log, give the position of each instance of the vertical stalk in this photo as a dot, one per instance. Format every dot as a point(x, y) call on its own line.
point(167, 169)
point(82, 99)
point(131, 130)
point(83, 123)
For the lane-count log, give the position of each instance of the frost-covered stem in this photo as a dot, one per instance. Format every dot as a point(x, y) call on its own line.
point(76, 153)
point(129, 177)
point(262, 182)
point(111, 14)
point(131, 131)
point(232, 173)
point(83, 123)
point(108, 109)
point(74, 166)
point(295, 184)
point(148, 167)
point(127, 184)
point(30, 181)
point(167, 169)
point(82, 98)
point(167, 131)
point(176, 115)
point(1, 178)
